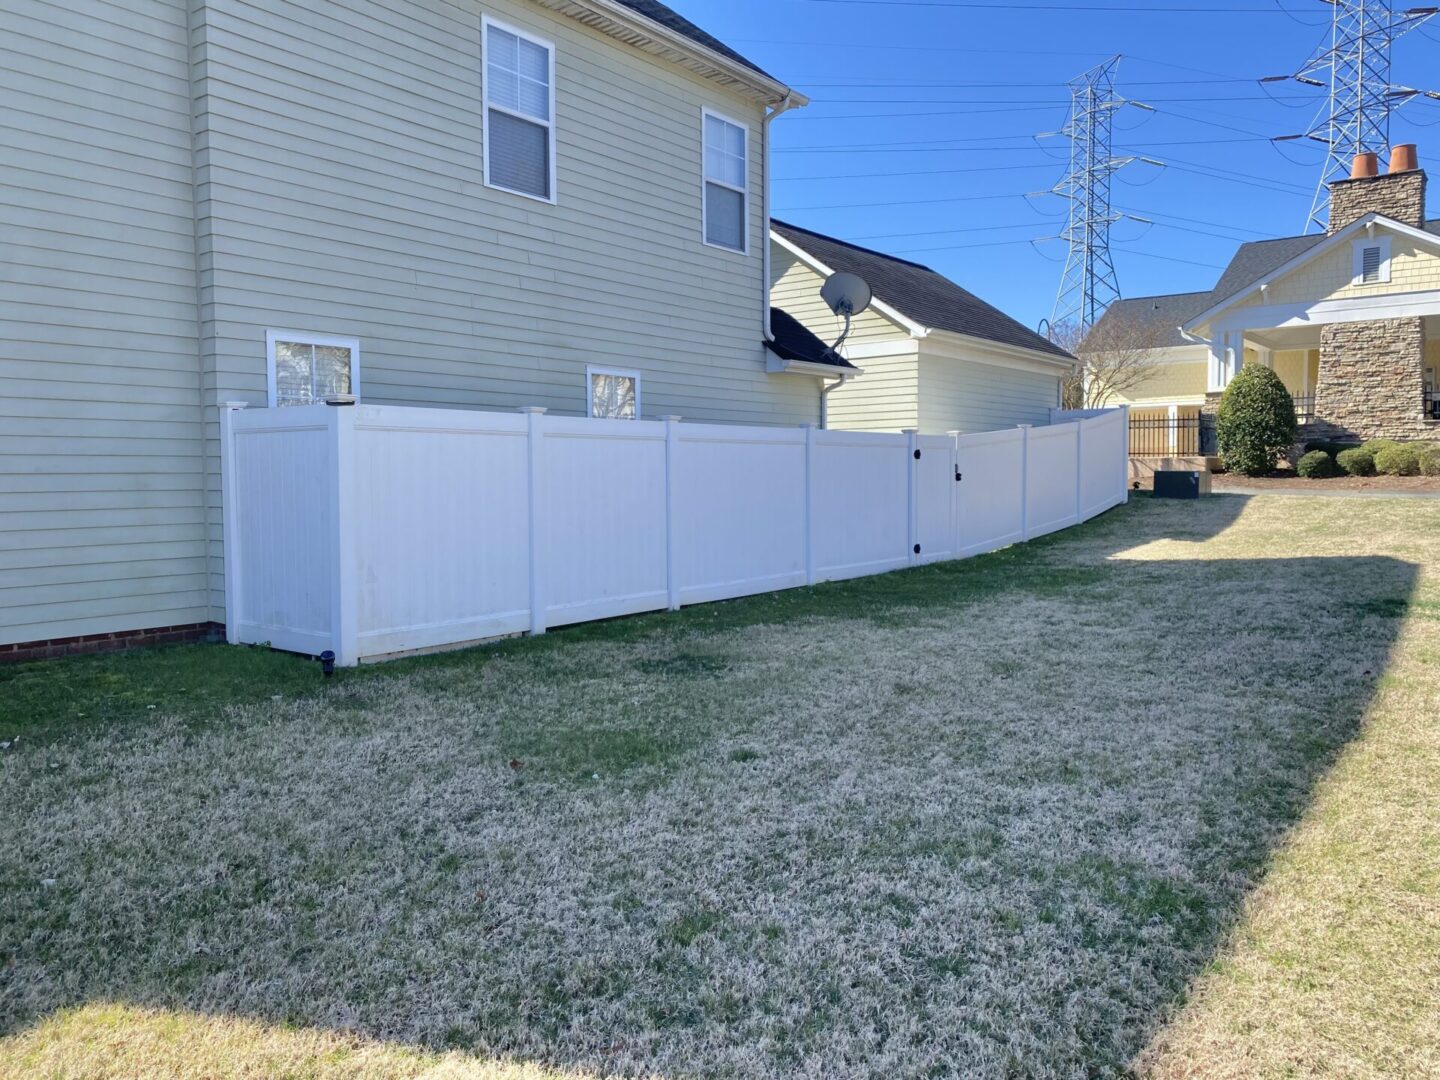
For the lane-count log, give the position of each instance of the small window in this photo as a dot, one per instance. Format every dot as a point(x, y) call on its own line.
point(614, 395)
point(519, 112)
point(727, 173)
point(305, 369)
point(1372, 262)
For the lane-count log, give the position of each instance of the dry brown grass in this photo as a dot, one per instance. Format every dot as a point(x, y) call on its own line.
point(995, 832)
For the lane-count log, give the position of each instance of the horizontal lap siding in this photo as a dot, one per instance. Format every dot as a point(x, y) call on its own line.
point(344, 195)
point(969, 396)
point(885, 398)
point(795, 287)
point(101, 495)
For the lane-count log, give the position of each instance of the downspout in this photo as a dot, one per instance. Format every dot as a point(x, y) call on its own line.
point(825, 391)
point(784, 106)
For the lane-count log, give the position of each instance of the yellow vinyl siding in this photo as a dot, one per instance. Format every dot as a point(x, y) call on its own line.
point(1169, 383)
point(795, 287)
point(1413, 268)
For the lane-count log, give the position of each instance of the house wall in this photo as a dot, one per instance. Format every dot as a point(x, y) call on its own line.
point(1178, 380)
point(795, 286)
point(1331, 276)
point(885, 398)
point(178, 177)
point(101, 484)
point(970, 395)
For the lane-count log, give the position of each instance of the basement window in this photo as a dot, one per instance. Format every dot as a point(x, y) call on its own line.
point(1372, 261)
point(614, 395)
point(305, 369)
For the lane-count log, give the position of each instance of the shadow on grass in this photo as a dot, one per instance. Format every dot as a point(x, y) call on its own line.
point(1179, 745)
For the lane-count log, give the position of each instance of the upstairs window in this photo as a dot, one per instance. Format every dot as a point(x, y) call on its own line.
point(727, 174)
point(305, 369)
point(1372, 261)
point(519, 112)
point(614, 395)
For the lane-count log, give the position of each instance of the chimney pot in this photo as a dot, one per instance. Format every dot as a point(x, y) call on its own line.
point(1404, 158)
point(1366, 165)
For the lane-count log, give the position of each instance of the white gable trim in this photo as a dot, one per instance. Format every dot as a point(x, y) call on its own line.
point(1368, 223)
point(911, 327)
point(968, 347)
point(1348, 309)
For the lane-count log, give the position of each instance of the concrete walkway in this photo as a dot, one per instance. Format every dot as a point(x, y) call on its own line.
point(1331, 494)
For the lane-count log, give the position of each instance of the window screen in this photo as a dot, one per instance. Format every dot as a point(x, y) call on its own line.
point(519, 107)
point(726, 178)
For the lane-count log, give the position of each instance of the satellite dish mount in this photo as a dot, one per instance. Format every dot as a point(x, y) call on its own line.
point(847, 295)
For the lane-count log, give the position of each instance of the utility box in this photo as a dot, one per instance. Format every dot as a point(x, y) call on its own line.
point(1174, 484)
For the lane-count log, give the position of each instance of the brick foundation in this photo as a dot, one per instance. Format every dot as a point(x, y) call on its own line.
point(120, 640)
point(1372, 381)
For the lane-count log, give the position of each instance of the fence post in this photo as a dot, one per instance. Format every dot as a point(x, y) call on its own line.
point(1024, 481)
point(1125, 454)
point(1079, 470)
point(344, 613)
point(534, 417)
point(229, 518)
point(672, 444)
point(809, 504)
point(912, 484)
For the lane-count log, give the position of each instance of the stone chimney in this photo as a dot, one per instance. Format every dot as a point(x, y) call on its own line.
point(1399, 194)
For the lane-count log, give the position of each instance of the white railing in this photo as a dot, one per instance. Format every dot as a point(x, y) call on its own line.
point(376, 530)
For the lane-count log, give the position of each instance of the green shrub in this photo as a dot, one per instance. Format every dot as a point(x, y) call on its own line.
point(1317, 465)
point(1256, 423)
point(1430, 460)
point(1374, 446)
point(1402, 459)
point(1357, 461)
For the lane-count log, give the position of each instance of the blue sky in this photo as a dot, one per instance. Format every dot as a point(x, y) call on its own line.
point(963, 87)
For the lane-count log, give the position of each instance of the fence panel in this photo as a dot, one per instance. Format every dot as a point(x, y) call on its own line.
point(278, 479)
point(1050, 480)
point(442, 536)
point(859, 503)
point(992, 490)
point(739, 505)
point(375, 530)
point(601, 499)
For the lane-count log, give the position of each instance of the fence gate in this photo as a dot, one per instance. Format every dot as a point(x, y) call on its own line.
point(938, 505)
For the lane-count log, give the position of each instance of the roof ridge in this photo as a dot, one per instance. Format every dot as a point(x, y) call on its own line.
point(854, 247)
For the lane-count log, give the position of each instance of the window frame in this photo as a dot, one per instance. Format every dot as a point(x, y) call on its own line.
point(304, 337)
point(1358, 260)
point(744, 249)
point(591, 370)
point(486, 22)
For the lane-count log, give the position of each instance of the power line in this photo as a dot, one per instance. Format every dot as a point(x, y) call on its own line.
point(1355, 68)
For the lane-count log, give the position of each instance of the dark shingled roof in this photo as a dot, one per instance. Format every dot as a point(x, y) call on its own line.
point(1252, 262)
point(918, 292)
point(681, 25)
point(1166, 313)
point(793, 341)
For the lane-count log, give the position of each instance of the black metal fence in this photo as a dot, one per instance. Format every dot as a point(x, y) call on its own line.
point(1181, 436)
point(1432, 405)
point(1305, 409)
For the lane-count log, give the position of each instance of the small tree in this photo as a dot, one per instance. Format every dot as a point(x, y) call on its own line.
point(1256, 424)
point(1116, 355)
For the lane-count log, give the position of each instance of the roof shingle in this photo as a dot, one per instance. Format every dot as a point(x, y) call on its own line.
point(918, 292)
point(794, 341)
point(673, 20)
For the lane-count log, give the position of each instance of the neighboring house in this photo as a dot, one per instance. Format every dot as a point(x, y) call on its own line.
point(471, 204)
point(1350, 321)
point(935, 357)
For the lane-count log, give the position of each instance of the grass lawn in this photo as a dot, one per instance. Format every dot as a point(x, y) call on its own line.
point(1161, 794)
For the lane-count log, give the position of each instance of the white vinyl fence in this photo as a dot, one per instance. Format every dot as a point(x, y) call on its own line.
point(374, 530)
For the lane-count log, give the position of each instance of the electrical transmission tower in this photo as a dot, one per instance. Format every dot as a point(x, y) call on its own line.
point(1355, 69)
point(1089, 285)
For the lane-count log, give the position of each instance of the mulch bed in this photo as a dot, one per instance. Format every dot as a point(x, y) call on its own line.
point(1288, 481)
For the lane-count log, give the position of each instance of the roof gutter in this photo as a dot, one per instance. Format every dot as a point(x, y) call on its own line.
point(789, 102)
point(825, 391)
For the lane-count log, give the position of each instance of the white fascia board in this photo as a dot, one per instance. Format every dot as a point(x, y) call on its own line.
point(910, 326)
point(779, 365)
point(1365, 224)
point(878, 350)
point(952, 346)
point(1349, 309)
point(630, 26)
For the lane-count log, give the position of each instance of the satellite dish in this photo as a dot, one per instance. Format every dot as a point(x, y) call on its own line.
point(847, 294)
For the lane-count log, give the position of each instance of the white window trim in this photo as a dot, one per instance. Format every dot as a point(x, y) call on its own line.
point(620, 373)
point(303, 337)
point(705, 181)
point(486, 22)
point(1358, 260)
